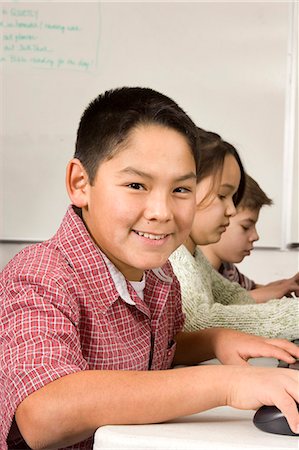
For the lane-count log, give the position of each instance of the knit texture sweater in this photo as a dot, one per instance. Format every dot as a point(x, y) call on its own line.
point(210, 300)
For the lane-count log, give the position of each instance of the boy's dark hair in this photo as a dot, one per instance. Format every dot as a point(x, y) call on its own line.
point(254, 197)
point(213, 150)
point(108, 120)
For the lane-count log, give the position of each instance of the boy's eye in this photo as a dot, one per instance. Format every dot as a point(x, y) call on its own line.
point(222, 197)
point(245, 228)
point(182, 190)
point(136, 186)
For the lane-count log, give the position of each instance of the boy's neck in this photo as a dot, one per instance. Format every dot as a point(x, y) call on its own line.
point(211, 256)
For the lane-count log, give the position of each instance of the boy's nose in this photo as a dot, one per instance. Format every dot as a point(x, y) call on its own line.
point(158, 208)
point(254, 236)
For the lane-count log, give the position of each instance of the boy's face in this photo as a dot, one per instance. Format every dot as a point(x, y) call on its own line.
point(142, 203)
point(238, 239)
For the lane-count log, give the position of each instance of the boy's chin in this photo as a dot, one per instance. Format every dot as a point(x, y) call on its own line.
point(238, 259)
point(154, 264)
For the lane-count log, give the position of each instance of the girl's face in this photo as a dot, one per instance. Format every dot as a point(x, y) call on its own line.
point(213, 213)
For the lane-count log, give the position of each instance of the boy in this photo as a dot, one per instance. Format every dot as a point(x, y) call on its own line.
point(237, 242)
point(91, 319)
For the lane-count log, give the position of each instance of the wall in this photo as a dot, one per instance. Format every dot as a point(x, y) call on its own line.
point(225, 64)
point(265, 264)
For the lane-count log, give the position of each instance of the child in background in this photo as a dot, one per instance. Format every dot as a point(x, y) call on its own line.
point(237, 242)
point(91, 319)
point(209, 300)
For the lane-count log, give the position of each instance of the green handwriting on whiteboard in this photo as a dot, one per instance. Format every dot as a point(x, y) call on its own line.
point(39, 37)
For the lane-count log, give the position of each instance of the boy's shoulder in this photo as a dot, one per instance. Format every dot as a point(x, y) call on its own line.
point(56, 257)
point(66, 271)
point(35, 263)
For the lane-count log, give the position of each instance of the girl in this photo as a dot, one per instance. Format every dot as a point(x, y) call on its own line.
point(209, 300)
point(238, 241)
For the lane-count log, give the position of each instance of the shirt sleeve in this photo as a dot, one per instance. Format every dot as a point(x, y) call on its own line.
point(232, 273)
point(39, 338)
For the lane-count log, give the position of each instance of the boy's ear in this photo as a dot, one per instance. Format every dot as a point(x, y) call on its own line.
point(77, 183)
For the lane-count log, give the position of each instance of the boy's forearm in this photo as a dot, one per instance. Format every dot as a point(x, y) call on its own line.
point(276, 289)
point(71, 408)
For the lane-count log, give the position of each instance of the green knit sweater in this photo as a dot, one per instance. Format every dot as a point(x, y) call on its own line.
point(209, 300)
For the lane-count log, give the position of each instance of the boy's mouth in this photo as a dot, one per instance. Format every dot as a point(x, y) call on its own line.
point(154, 237)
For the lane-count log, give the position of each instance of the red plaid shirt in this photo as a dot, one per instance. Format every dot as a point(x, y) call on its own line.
point(60, 312)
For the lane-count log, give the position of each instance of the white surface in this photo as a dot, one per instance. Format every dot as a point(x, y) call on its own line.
point(266, 265)
point(230, 77)
point(221, 428)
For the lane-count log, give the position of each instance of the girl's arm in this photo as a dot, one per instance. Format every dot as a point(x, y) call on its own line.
point(210, 300)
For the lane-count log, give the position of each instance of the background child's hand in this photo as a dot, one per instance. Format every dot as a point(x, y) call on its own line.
point(252, 387)
point(235, 347)
point(276, 289)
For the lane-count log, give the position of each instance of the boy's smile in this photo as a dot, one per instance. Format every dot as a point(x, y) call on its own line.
point(150, 236)
point(141, 206)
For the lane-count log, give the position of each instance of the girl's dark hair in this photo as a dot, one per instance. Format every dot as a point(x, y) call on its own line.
point(108, 120)
point(213, 150)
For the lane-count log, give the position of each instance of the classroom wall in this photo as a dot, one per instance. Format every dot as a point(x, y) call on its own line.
point(265, 264)
point(225, 63)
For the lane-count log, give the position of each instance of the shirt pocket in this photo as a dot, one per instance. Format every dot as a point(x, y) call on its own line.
point(169, 355)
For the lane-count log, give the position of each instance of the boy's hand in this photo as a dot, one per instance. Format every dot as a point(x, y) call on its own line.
point(276, 289)
point(252, 387)
point(235, 347)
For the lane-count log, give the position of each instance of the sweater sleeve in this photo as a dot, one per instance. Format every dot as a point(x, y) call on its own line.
point(209, 300)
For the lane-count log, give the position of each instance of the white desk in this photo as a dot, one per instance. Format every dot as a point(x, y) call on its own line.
point(221, 428)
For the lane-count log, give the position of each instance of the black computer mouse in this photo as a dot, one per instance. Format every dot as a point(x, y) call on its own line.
point(271, 420)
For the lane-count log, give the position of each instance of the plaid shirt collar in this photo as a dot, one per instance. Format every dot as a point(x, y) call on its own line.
point(92, 265)
point(119, 280)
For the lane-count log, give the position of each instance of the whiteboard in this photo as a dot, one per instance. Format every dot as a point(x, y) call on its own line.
point(224, 63)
